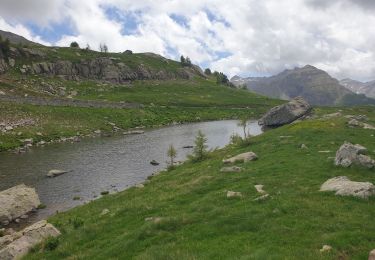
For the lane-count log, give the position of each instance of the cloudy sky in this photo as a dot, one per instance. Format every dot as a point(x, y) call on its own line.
point(245, 37)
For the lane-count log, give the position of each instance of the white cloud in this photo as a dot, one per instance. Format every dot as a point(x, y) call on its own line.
point(261, 37)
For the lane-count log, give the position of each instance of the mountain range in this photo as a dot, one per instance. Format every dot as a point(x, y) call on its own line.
point(314, 84)
point(366, 88)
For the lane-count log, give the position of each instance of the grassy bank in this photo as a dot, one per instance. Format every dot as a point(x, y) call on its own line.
point(56, 122)
point(197, 220)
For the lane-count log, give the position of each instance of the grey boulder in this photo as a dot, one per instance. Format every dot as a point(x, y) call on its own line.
point(343, 186)
point(286, 113)
point(349, 154)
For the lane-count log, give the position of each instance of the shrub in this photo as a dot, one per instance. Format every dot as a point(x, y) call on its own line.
point(172, 153)
point(76, 222)
point(51, 243)
point(200, 148)
point(207, 72)
point(74, 45)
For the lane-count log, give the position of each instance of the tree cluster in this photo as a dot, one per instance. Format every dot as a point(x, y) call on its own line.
point(185, 62)
point(74, 45)
point(221, 78)
point(103, 47)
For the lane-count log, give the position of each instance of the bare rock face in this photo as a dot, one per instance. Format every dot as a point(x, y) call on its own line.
point(17, 201)
point(343, 186)
point(243, 157)
point(349, 154)
point(286, 113)
point(16, 245)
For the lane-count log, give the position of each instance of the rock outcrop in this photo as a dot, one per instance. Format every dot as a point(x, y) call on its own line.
point(17, 201)
point(106, 69)
point(231, 169)
point(286, 113)
point(16, 245)
point(343, 186)
point(243, 157)
point(349, 154)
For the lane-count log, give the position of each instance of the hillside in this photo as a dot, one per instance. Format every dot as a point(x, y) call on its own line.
point(367, 88)
point(185, 213)
point(66, 92)
point(315, 85)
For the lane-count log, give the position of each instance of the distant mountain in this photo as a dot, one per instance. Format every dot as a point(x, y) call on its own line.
point(16, 39)
point(313, 84)
point(366, 88)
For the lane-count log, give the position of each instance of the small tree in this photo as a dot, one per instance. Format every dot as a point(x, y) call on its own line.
point(188, 62)
point(172, 153)
point(243, 124)
point(74, 45)
point(103, 47)
point(221, 78)
point(200, 148)
point(88, 47)
point(207, 72)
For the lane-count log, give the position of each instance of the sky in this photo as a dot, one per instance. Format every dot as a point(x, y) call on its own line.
point(238, 37)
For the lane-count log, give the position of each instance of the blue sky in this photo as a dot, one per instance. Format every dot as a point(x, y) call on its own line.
point(244, 37)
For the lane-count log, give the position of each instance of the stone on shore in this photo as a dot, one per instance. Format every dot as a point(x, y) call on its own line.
point(343, 186)
point(16, 202)
point(16, 245)
point(286, 113)
point(243, 157)
point(55, 173)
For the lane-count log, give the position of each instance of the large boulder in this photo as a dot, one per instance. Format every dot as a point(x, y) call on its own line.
point(16, 245)
point(343, 186)
point(286, 113)
point(243, 157)
point(17, 201)
point(349, 154)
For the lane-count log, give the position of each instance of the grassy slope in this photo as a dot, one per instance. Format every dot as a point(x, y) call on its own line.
point(199, 222)
point(165, 102)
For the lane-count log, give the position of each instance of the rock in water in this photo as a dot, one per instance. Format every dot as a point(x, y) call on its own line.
point(286, 113)
point(243, 157)
point(17, 201)
point(16, 245)
point(345, 187)
point(349, 154)
point(55, 173)
point(155, 163)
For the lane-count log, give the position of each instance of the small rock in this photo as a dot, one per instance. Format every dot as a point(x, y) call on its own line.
point(244, 157)
point(24, 216)
point(259, 188)
point(264, 197)
point(9, 128)
point(17, 220)
point(140, 186)
point(231, 169)
point(372, 255)
point(104, 212)
point(2, 93)
point(303, 146)
point(134, 132)
point(325, 248)
point(98, 132)
point(55, 173)
point(155, 220)
point(5, 222)
point(234, 194)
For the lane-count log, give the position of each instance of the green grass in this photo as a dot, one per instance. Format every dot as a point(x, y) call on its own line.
point(199, 222)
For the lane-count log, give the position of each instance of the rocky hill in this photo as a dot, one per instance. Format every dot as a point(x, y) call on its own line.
point(366, 88)
point(313, 84)
point(28, 58)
